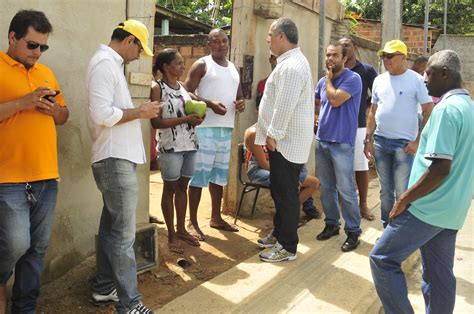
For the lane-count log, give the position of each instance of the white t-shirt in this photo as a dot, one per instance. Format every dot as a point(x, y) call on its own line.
point(397, 98)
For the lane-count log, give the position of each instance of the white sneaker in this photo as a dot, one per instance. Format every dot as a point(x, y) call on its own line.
point(277, 254)
point(100, 299)
point(267, 242)
point(140, 309)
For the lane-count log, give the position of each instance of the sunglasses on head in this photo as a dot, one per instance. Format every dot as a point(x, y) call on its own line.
point(32, 45)
point(389, 56)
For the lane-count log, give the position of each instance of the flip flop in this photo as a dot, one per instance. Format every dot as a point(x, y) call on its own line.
point(175, 248)
point(196, 234)
point(368, 215)
point(225, 227)
point(189, 239)
point(155, 220)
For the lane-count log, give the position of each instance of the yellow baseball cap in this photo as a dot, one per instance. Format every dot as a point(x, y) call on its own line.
point(394, 46)
point(139, 30)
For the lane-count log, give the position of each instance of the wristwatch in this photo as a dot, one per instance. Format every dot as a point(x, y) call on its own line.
point(366, 141)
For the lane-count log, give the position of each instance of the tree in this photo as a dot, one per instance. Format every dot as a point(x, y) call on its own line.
point(460, 13)
point(202, 10)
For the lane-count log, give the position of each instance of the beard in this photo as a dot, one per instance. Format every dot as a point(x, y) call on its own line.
point(336, 67)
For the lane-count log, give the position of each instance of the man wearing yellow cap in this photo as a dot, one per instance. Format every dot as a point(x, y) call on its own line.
point(392, 126)
point(117, 148)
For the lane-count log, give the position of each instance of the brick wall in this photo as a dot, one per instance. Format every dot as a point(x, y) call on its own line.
point(412, 36)
point(191, 47)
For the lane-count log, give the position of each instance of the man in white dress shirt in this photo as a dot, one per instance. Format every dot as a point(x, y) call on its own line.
point(285, 125)
point(117, 148)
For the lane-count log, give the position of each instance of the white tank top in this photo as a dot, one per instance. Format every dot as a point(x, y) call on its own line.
point(219, 84)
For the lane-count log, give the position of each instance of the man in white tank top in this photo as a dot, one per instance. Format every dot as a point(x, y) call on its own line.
point(214, 80)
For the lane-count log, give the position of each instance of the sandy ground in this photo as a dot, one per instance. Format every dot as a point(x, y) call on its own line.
point(221, 251)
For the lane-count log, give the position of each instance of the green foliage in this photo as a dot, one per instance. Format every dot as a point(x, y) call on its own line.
point(201, 10)
point(460, 13)
point(353, 23)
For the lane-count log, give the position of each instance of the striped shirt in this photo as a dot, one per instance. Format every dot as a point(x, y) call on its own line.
point(286, 111)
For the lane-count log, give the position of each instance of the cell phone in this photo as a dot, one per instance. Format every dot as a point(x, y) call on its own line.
point(50, 97)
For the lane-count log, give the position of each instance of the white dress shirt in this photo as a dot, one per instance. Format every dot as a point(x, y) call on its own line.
point(108, 94)
point(286, 111)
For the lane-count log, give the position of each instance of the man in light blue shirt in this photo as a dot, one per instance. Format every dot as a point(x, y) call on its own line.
point(429, 214)
point(394, 119)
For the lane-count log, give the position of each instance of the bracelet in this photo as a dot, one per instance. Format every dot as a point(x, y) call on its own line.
point(367, 141)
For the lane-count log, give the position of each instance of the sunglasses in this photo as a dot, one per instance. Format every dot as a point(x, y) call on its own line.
point(389, 56)
point(139, 44)
point(32, 45)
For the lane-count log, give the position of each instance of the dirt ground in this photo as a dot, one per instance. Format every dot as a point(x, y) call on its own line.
point(220, 252)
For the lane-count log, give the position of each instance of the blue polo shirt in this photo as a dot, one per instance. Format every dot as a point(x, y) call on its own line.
point(449, 134)
point(339, 125)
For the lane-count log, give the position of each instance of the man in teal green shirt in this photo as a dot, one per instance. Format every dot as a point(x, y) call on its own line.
point(429, 214)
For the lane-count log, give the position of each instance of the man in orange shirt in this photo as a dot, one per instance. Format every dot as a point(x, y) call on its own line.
point(30, 108)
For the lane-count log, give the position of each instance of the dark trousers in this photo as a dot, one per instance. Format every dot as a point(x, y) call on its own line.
point(284, 178)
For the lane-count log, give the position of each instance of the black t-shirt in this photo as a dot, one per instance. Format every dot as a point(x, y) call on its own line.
point(367, 74)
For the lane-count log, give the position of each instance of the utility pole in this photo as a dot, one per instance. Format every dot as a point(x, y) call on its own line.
point(445, 22)
point(425, 27)
point(391, 22)
point(322, 18)
point(215, 12)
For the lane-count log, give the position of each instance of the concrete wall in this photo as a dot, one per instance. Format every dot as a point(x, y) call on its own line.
point(79, 28)
point(462, 44)
point(249, 33)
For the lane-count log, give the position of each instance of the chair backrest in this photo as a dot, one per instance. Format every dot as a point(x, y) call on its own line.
point(241, 152)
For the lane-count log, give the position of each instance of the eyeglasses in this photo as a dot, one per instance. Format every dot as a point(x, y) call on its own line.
point(139, 44)
point(32, 45)
point(389, 56)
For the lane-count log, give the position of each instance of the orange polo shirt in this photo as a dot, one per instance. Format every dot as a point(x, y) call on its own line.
point(28, 149)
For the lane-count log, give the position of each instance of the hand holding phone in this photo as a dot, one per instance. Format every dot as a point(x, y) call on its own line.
point(51, 97)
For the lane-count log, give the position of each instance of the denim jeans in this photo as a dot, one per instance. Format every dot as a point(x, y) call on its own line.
point(116, 266)
point(284, 190)
point(400, 239)
point(25, 229)
point(393, 168)
point(335, 170)
point(262, 176)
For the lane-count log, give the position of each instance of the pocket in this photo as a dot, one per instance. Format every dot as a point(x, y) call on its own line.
point(98, 164)
point(344, 147)
point(100, 174)
point(400, 144)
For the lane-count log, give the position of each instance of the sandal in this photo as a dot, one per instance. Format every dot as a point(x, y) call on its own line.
point(194, 233)
point(368, 215)
point(225, 227)
point(175, 248)
point(189, 239)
